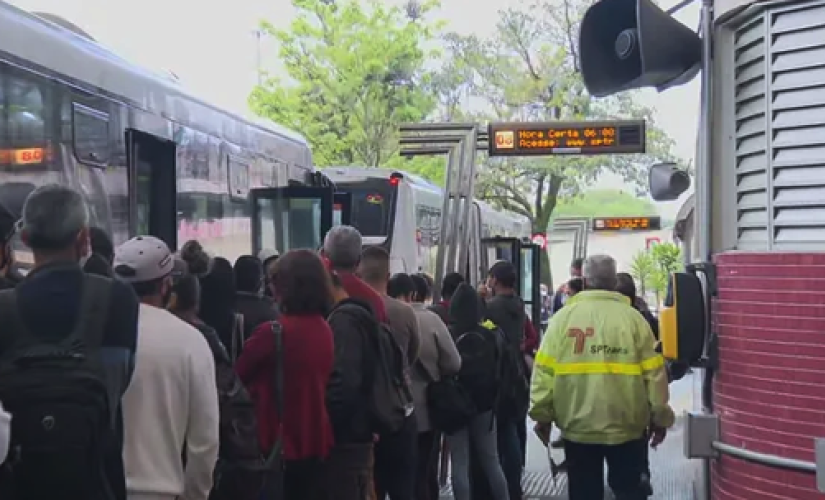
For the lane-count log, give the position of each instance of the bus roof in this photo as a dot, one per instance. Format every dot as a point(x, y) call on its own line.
point(55, 46)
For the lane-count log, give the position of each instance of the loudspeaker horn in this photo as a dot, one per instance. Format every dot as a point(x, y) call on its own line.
point(667, 182)
point(630, 44)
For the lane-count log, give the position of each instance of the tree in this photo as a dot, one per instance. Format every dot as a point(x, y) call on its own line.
point(355, 73)
point(604, 203)
point(652, 268)
point(528, 71)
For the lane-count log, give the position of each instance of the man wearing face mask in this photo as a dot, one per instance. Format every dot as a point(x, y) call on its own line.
point(171, 407)
point(55, 302)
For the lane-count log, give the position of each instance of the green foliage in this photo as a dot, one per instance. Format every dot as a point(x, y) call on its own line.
point(355, 73)
point(604, 203)
point(528, 71)
point(651, 269)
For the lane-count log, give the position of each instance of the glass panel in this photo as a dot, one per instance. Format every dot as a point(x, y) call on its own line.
point(289, 223)
point(91, 135)
point(266, 214)
point(143, 196)
point(371, 206)
point(527, 274)
point(337, 216)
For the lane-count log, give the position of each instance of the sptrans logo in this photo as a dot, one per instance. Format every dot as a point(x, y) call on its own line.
point(505, 139)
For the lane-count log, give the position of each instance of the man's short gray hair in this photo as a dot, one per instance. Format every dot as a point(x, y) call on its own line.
point(342, 246)
point(599, 272)
point(53, 215)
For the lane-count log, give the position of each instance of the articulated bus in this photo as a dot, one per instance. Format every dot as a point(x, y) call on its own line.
point(148, 157)
point(402, 213)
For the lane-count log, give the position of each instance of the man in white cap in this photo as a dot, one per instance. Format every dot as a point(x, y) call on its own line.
point(171, 406)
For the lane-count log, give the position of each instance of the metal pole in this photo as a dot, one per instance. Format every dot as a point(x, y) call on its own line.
point(442, 236)
point(704, 178)
point(464, 249)
point(436, 127)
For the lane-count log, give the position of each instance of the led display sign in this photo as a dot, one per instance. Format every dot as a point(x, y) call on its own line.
point(567, 138)
point(627, 223)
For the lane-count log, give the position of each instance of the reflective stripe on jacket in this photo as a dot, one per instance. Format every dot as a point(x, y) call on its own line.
point(597, 375)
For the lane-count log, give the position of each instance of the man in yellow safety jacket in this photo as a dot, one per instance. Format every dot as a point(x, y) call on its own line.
point(597, 376)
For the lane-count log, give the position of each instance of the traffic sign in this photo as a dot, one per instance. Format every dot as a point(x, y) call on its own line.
point(540, 239)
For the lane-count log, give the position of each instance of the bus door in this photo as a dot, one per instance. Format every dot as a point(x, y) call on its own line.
point(291, 217)
point(500, 248)
point(530, 274)
point(342, 209)
point(152, 187)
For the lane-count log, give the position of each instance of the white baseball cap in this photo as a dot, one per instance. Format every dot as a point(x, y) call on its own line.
point(142, 259)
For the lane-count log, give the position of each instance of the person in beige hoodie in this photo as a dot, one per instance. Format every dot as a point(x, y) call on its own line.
point(437, 357)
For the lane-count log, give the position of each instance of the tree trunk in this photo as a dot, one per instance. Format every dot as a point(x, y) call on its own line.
point(546, 272)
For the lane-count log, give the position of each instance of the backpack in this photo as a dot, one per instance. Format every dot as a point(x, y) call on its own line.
point(390, 398)
point(480, 372)
point(57, 395)
point(449, 405)
point(242, 471)
point(514, 395)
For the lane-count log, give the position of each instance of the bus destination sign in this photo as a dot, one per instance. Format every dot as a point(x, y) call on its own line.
point(627, 223)
point(567, 138)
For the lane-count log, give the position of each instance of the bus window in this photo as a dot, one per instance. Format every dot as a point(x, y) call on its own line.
point(372, 206)
point(23, 128)
point(91, 135)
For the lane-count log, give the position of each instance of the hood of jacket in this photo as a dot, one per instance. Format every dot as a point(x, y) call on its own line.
point(466, 307)
point(360, 309)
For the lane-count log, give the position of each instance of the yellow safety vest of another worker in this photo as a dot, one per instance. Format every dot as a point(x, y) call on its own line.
point(597, 375)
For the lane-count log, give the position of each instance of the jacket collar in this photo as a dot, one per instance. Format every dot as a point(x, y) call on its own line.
point(597, 296)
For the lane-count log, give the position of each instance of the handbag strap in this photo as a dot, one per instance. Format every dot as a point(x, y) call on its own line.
point(237, 337)
point(278, 387)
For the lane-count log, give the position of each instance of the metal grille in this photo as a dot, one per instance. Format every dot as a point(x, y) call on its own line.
point(797, 109)
point(751, 132)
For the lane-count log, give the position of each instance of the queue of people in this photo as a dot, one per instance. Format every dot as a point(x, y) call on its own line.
point(132, 372)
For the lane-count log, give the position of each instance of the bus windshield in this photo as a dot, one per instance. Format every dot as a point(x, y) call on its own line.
point(372, 206)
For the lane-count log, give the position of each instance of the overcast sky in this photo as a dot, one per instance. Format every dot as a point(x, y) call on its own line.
point(210, 46)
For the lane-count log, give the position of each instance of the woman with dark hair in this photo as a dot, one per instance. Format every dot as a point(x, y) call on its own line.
point(303, 290)
point(218, 301)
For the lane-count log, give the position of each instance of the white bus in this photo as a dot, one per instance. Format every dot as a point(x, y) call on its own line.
point(402, 213)
point(148, 157)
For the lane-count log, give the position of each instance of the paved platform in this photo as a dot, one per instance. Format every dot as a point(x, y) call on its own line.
point(672, 474)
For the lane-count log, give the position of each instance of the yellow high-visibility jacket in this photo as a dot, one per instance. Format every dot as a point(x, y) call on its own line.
point(597, 375)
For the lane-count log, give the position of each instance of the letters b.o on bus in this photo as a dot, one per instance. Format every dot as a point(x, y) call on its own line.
point(682, 319)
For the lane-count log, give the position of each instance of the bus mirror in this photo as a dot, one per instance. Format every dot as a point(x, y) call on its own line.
point(682, 319)
point(667, 182)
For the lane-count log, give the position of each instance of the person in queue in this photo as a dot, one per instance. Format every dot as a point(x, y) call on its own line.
point(448, 287)
point(351, 462)
point(101, 244)
point(250, 302)
point(303, 290)
point(342, 250)
point(479, 375)
point(563, 292)
point(437, 358)
point(8, 226)
point(171, 407)
point(395, 454)
point(218, 303)
point(506, 309)
point(599, 353)
point(103, 312)
point(268, 256)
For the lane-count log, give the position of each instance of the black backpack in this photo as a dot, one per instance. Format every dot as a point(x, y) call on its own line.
point(449, 404)
point(390, 397)
point(58, 400)
point(514, 392)
point(480, 366)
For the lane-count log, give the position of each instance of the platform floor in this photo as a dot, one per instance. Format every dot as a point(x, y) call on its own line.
point(672, 474)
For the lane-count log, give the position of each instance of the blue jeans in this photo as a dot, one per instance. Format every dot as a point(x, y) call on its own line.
point(482, 433)
point(511, 456)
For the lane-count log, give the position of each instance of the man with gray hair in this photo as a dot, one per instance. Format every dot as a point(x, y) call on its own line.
point(342, 249)
point(87, 326)
point(598, 377)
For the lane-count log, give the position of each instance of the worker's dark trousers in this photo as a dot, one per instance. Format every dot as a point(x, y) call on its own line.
point(625, 465)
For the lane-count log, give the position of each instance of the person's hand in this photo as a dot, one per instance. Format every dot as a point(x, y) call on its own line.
point(543, 432)
point(657, 435)
point(483, 291)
